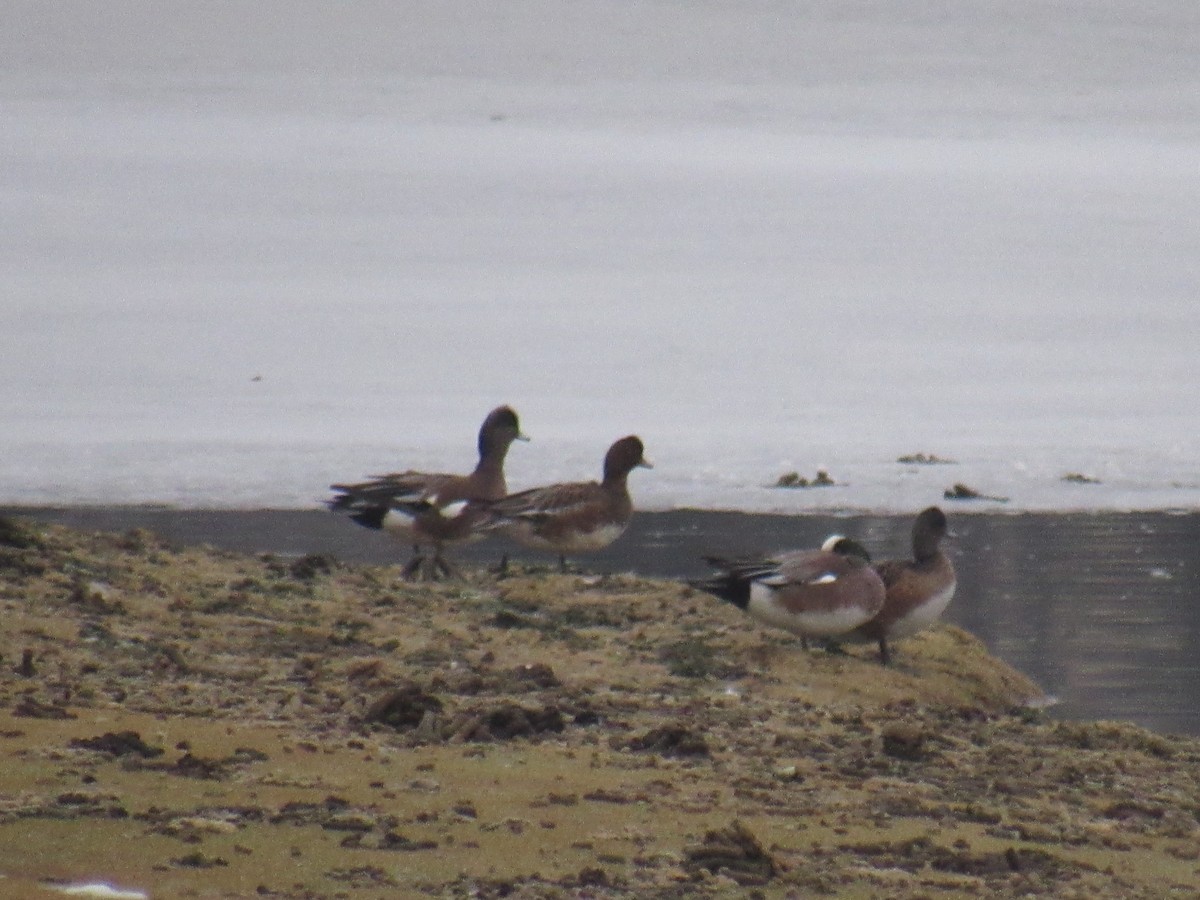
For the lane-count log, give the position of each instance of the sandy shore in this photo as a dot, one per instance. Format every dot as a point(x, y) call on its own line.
point(197, 720)
point(1024, 581)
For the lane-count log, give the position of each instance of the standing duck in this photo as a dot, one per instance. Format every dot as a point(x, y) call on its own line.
point(432, 509)
point(918, 589)
point(573, 517)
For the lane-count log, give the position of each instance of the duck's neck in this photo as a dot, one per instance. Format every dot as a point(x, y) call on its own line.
point(491, 466)
point(617, 482)
point(926, 550)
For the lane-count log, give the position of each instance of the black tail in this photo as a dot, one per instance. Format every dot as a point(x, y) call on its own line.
point(343, 501)
point(370, 516)
point(735, 578)
point(728, 586)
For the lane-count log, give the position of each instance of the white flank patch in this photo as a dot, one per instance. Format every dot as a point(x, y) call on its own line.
point(827, 578)
point(399, 523)
point(98, 889)
point(598, 538)
point(764, 605)
point(833, 623)
point(580, 542)
point(925, 614)
point(453, 510)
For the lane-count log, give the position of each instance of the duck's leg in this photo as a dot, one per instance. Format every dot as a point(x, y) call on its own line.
point(414, 564)
point(438, 567)
point(441, 567)
point(885, 652)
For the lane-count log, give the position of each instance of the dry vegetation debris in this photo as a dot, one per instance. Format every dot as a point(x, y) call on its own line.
point(179, 719)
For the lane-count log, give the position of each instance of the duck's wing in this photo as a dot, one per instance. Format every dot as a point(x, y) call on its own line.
point(808, 567)
point(398, 490)
point(538, 504)
point(744, 568)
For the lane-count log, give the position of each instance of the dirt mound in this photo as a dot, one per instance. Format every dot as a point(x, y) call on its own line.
point(186, 721)
point(735, 852)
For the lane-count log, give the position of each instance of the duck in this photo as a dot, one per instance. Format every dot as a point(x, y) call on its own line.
point(811, 593)
point(573, 517)
point(918, 590)
point(433, 509)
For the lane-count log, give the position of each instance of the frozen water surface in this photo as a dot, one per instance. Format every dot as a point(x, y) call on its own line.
point(251, 249)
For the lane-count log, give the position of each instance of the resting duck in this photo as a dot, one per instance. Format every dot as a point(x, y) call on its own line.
point(432, 509)
point(573, 517)
point(811, 593)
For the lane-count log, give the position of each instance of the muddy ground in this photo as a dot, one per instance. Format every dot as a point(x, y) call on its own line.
point(196, 723)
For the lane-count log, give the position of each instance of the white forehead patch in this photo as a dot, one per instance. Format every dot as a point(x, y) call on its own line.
point(831, 542)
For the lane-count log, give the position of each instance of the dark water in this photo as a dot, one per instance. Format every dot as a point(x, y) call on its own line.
point(1102, 610)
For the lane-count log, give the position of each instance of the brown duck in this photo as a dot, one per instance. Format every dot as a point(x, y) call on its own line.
point(433, 509)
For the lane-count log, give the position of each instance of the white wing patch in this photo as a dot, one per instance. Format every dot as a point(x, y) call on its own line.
point(825, 578)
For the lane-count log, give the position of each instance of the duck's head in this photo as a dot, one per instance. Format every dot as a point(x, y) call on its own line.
point(624, 456)
point(499, 430)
